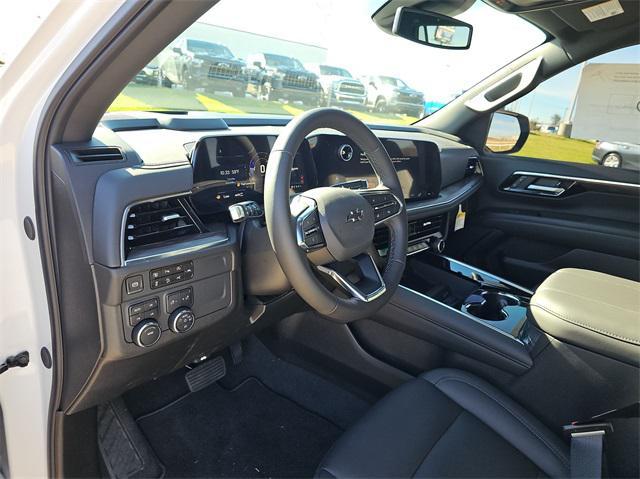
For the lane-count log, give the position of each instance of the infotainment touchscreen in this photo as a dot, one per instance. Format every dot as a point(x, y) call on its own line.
point(341, 161)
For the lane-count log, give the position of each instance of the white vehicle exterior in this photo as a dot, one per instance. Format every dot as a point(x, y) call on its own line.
point(26, 393)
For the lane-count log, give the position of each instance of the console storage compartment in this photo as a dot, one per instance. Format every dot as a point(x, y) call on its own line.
point(591, 310)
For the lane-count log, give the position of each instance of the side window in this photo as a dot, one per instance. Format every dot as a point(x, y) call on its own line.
point(587, 114)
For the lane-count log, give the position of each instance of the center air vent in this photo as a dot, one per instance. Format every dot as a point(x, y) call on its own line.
point(419, 230)
point(90, 155)
point(155, 222)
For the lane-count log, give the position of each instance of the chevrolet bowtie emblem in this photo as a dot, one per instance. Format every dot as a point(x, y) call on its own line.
point(355, 215)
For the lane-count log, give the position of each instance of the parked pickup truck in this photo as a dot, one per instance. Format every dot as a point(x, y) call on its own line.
point(277, 77)
point(338, 87)
point(389, 94)
point(197, 64)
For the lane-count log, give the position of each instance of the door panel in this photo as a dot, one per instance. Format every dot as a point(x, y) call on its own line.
point(526, 234)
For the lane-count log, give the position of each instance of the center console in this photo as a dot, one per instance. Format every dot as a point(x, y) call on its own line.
point(464, 309)
point(474, 293)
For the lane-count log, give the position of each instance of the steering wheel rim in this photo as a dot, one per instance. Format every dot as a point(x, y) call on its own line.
point(283, 228)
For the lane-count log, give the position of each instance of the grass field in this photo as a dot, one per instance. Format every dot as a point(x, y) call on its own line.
point(144, 97)
point(553, 147)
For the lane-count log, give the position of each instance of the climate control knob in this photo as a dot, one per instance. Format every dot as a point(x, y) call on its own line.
point(437, 244)
point(181, 320)
point(146, 333)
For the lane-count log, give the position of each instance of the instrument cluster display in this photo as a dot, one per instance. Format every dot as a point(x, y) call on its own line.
point(230, 169)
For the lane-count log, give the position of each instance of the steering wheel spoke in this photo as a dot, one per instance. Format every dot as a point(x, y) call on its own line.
point(308, 230)
point(370, 286)
point(385, 203)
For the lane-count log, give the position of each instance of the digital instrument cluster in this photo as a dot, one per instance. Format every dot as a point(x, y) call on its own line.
point(231, 169)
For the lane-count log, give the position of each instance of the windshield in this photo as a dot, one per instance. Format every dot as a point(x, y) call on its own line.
point(274, 40)
point(206, 48)
point(334, 71)
point(279, 61)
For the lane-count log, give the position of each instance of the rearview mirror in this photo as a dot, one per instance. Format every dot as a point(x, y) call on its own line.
point(257, 64)
point(433, 29)
point(177, 50)
point(508, 132)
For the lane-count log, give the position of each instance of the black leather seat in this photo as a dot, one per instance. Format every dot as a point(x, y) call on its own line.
point(447, 423)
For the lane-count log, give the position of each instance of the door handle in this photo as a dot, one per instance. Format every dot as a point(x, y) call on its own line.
point(549, 190)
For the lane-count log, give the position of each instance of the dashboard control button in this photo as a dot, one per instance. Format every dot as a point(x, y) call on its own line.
point(186, 297)
point(310, 221)
point(173, 301)
point(168, 275)
point(181, 320)
point(135, 319)
point(167, 271)
point(136, 309)
point(180, 298)
point(134, 284)
point(146, 333)
point(152, 313)
point(150, 304)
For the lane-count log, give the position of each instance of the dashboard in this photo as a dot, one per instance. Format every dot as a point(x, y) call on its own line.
point(159, 273)
point(230, 169)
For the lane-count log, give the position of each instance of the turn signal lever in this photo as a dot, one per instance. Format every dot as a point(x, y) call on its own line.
point(245, 210)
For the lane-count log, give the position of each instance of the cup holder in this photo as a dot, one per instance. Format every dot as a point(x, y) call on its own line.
point(490, 305)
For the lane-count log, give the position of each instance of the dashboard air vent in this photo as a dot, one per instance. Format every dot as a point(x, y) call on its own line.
point(419, 230)
point(157, 221)
point(90, 155)
point(472, 166)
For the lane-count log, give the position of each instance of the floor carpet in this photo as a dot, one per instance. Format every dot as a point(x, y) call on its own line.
point(247, 431)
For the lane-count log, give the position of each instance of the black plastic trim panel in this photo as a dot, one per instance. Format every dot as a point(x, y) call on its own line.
point(450, 197)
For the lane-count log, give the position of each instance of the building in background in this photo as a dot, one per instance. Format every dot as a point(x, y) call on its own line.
point(607, 104)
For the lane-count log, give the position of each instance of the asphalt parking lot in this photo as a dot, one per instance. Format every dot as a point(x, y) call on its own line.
point(148, 97)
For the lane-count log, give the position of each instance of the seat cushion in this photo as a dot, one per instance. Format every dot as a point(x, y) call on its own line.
point(447, 423)
point(595, 311)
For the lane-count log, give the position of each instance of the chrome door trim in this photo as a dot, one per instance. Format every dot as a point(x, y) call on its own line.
point(577, 178)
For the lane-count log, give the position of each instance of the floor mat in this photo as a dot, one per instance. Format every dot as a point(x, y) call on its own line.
point(249, 431)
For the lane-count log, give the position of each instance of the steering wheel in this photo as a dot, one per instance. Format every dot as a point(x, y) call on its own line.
point(331, 229)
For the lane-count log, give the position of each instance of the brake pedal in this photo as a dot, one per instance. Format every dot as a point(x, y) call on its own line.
point(206, 374)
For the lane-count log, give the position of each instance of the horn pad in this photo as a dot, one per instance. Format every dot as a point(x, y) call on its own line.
point(346, 219)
